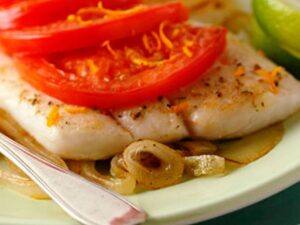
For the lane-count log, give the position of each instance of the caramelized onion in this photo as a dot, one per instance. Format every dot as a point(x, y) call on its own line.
point(197, 147)
point(118, 167)
point(22, 184)
point(153, 165)
point(204, 165)
point(252, 147)
point(124, 184)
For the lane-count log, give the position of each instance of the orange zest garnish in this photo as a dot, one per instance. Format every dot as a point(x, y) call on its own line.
point(185, 48)
point(158, 41)
point(78, 19)
point(276, 70)
point(115, 13)
point(92, 66)
point(75, 110)
point(187, 52)
point(268, 76)
point(102, 12)
point(175, 32)
point(179, 108)
point(240, 71)
point(53, 116)
point(110, 49)
point(137, 59)
point(261, 53)
point(163, 36)
point(145, 62)
point(173, 57)
point(147, 45)
point(72, 18)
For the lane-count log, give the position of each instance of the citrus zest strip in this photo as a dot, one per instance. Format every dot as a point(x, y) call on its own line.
point(92, 66)
point(163, 36)
point(240, 71)
point(114, 13)
point(269, 77)
point(75, 110)
point(179, 108)
point(53, 116)
point(185, 48)
point(110, 49)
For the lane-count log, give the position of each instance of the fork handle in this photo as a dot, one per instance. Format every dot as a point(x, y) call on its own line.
point(85, 201)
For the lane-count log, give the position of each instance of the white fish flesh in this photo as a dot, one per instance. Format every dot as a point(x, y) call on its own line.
point(220, 105)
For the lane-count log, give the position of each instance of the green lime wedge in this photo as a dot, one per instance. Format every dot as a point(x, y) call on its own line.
point(293, 52)
point(280, 56)
point(280, 19)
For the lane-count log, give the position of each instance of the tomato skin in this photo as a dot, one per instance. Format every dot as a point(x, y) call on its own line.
point(17, 13)
point(5, 3)
point(75, 36)
point(38, 12)
point(120, 4)
point(147, 86)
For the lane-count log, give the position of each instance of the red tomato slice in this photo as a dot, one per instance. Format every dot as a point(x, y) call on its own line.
point(120, 4)
point(5, 3)
point(22, 13)
point(19, 14)
point(68, 35)
point(128, 73)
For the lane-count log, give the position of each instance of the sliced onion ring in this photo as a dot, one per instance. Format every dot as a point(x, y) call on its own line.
point(196, 147)
point(22, 184)
point(204, 165)
point(118, 167)
point(124, 185)
point(153, 164)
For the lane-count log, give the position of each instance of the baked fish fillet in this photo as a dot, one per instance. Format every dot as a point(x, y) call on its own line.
point(89, 134)
point(234, 99)
point(221, 105)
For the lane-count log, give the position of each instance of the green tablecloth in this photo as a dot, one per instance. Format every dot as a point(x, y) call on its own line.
point(280, 209)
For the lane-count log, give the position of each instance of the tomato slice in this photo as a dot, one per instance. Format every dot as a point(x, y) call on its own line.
point(5, 3)
point(17, 14)
point(129, 72)
point(120, 4)
point(111, 25)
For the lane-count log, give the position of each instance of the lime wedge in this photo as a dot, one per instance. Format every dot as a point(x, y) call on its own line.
point(280, 56)
point(293, 52)
point(280, 19)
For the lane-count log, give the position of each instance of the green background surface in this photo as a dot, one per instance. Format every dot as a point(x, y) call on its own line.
point(280, 209)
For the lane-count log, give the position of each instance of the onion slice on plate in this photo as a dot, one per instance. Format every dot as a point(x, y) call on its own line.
point(253, 146)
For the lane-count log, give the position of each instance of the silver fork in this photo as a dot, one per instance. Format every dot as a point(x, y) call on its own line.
point(85, 201)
